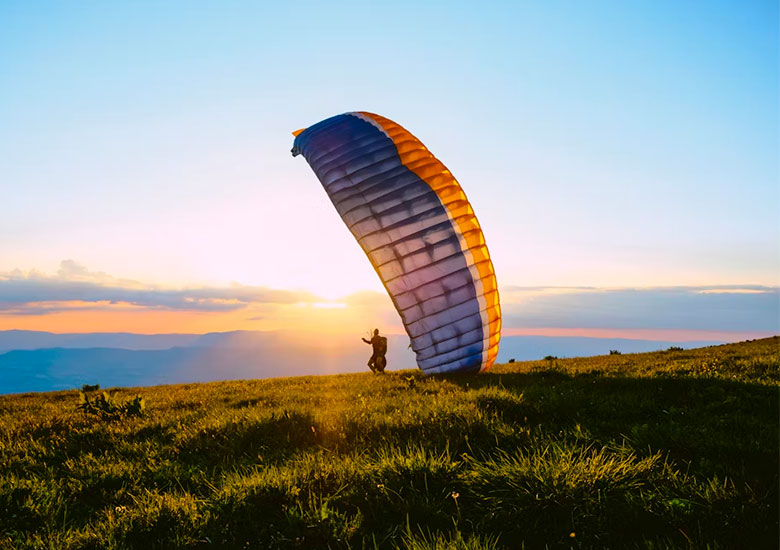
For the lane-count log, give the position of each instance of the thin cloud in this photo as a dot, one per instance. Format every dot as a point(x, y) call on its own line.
point(740, 308)
point(75, 287)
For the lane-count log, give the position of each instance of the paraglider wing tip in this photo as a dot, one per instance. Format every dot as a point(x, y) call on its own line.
point(295, 151)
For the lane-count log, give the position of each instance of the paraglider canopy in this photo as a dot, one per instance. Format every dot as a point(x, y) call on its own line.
point(415, 224)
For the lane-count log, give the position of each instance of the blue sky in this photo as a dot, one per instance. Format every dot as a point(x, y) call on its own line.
point(604, 144)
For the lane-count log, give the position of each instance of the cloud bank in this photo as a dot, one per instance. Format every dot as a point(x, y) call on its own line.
point(74, 286)
point(732, 308)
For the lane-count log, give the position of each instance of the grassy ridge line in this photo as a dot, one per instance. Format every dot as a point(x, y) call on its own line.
point(666, 449)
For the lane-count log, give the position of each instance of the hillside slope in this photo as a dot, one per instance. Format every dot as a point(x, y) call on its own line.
point(667, 449)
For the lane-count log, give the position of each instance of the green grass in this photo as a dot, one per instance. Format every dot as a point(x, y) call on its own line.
point(675, 449)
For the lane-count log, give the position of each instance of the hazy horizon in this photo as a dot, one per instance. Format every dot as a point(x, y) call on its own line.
point(35, 361)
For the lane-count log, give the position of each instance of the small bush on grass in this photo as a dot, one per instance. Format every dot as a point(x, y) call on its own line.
point(110, 408)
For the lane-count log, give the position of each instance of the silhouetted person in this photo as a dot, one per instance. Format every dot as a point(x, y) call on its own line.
point(377, 362)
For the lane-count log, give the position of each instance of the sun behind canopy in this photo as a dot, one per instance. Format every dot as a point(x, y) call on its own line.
point(415, 224)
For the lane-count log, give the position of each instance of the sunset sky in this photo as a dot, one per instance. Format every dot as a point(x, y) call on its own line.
point(622, 159)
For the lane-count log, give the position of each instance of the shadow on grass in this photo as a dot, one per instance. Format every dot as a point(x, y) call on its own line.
point(250, 441)
point(710, 426)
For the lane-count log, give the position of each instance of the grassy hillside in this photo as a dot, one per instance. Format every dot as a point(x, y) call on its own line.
point(669, 449)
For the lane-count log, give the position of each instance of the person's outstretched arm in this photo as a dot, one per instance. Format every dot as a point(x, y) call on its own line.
point(366, 341)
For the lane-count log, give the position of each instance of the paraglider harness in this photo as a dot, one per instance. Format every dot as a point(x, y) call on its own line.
point(378, 362)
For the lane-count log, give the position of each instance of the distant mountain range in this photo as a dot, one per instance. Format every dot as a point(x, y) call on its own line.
point(28, 339)
point(42, 361)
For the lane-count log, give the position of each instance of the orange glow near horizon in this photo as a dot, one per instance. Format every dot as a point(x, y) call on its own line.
point(82, 317)
point(321, 318)
point(141, 321)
